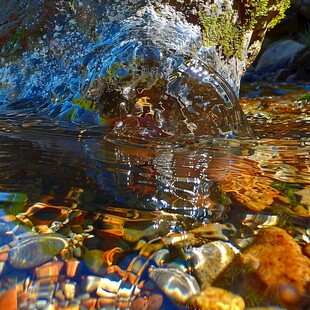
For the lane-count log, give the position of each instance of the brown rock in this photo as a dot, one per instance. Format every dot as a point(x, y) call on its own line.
point(278, 261)
point(8, 300)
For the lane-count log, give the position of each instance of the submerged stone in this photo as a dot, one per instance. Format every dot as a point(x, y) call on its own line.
point(277, 259)
point(177, 284)
point(34, 250)
point(210, 260)
point(215, 298)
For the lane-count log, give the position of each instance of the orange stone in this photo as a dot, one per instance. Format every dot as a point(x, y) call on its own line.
point(72, 267)
point(278, 261)
point(49, 270)
point(8, 300)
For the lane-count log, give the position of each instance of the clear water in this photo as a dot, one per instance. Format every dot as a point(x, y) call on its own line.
point(112, 179)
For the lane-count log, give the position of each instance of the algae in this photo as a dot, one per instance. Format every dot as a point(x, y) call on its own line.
point(226, 27)
point(85, 103)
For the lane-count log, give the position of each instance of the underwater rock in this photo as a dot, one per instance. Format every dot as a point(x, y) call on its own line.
point(176, 284)
point(304, 195)
point(254, 192)
point(95, 261)
point(215, 298)
point(277, 259)
point(34, 250)
point(210, 260)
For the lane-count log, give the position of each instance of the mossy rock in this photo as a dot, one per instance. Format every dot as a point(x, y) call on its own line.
point(228, 24)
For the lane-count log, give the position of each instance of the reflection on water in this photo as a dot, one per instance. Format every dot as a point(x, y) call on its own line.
point(122, 183)
point(90, 220)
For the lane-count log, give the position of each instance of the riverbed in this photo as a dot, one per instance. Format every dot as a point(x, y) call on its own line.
point(89, 220)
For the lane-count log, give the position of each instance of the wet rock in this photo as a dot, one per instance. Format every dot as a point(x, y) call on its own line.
point(283, 74)
point(277, 56)
point(95, 261)
point(176, 284)
point(186, 56)
point(300, 65)
point(215, 298)
point(254, 192)
point(210, 260)
point(35, 250)
point(304, 195)
point(8, 300)
point(250, 77)
point(147, 300)
point(277, 260)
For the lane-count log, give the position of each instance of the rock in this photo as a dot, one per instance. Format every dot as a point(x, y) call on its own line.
point(175, 283)
point(8, 300)
point(277, 259)
point(215, 298)
point(35, 250)
point(95, 261)
point(278, 56)
point(300, 65)
point(304, 195)
point(302, 6)
point(283, 74)
point(250, 77)
point(210, 260)
point(226, 34)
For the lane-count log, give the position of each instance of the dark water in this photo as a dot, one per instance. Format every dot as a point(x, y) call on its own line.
point(99, 218)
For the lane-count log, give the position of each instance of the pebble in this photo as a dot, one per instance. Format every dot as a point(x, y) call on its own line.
point(90, 283)
point(41, 303)
point(288, 295)
point(89, 303)
point(35, 250)
point(306, 250)
point(69, 290)
point(50, 269)
point(210, 260)
point(78, 229)
point(177, 284)
point(8, 300)
point(72, 268)
point(95, 262)
point(215, 298)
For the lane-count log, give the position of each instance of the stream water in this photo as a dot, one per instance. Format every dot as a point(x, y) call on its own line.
point(100, 210)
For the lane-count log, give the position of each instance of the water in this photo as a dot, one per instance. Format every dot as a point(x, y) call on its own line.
point(100, 206)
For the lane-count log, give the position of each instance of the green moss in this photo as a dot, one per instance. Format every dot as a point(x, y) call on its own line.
point(285, 4)
point(85, 103)
point(227, 28)
point(220, 30)
point(305, 97)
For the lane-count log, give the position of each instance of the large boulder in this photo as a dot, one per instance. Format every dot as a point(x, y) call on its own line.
point(230, 30)
point(278, 56)
point(178, 63)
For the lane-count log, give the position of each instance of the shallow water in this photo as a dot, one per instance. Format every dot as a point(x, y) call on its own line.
point(103, 193)
point(134, 217)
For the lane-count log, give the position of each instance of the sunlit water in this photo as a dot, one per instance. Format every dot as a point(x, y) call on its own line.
point(126, 200)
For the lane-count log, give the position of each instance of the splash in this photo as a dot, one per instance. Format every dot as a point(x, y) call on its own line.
point(97, 63)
